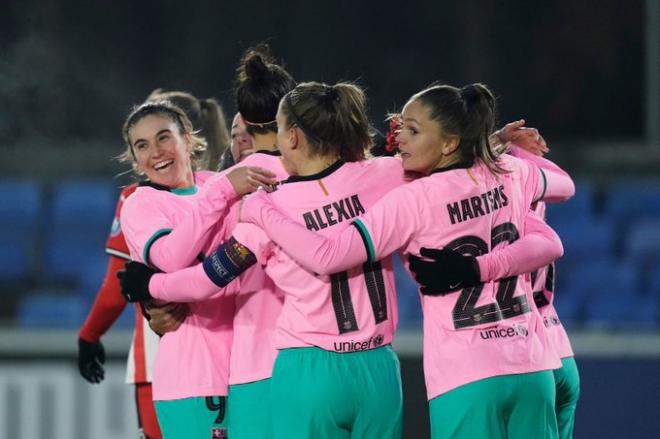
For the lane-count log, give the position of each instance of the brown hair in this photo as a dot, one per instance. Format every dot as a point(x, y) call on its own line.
point(208, 119)
point(164, 109)
point(332, 117)
point(261, 83)
point(468, 113)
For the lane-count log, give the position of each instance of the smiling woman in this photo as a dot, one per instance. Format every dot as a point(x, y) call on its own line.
point(161, 152)
point(160, 143)
point(168, 221)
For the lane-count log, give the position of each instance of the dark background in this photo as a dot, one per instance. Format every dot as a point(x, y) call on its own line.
point(70, 70)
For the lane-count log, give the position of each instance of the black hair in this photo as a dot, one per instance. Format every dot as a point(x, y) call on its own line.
point(332, 117)
point(468, 113)
point(261, 84)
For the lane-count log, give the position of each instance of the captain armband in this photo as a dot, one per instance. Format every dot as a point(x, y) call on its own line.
point(230, 260)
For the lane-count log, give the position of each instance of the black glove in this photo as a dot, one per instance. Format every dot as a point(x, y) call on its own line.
point(446, 272)
point(91, 357)
point(134, 281)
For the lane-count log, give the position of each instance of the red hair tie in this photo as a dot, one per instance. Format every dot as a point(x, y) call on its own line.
point(391, 143)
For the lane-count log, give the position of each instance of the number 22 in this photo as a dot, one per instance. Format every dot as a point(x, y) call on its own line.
point(466, 313)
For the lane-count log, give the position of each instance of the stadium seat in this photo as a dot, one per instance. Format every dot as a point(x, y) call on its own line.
point(633, 201)
point(69, 248)
point(83, 201)
point(624, 310)
point(20, 214)
point(18, 250)
point(93, 269)
point(651, 283)
point(81, 215)
point(643, 241)
point(585, 238)
point(569, 308)
point(410, 309)
point(597, 277)
point(580, 207)
point(21, 201)
point(568, 303)
point(605, 289)
point(126, 319)
point(51, 309)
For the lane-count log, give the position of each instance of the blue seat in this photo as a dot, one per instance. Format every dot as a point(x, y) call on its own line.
point(569, 308)
point(21, 201)
point(69, 248)
point(51, 309)
point(20, 214)
point(17, 255)
point(651, 282)
point(643, 241)
point(623, 311)
point(127, 319)
point(84, 201)
point(82, 212)
point(580, 206)
point(94, 267)
point(586, 238)
point(410, 308)
point(633, 201)
point(566, 303)
point(603, 286)
point(598, 277)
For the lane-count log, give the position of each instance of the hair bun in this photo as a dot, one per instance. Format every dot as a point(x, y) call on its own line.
point(255, 67)
point(469, 92)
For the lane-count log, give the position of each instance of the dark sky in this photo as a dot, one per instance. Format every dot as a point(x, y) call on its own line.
point(72, 69)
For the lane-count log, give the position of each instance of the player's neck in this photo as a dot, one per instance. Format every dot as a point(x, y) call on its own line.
point(446, 162)
point(311, 166)
point(265, 142)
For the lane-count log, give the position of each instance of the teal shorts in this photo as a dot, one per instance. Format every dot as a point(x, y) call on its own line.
point(567, 380)
point(502, 407)
point(249, 410)
point(327, 395)
point(193, 418)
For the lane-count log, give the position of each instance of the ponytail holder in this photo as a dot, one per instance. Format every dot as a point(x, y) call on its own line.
point(391, 143)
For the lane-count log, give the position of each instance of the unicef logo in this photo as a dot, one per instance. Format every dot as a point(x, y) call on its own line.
point(378, 340)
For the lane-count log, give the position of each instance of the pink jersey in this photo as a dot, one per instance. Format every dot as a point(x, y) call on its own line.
point(543, 281)
point(109, 305)
point(485, 331)
point(348, 311)
point(150, 230)
point(144, 342)
point(194, 359)
point(557, 182)
point(257, 302)
point(253, 350)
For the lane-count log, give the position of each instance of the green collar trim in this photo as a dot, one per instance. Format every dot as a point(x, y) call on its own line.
point(192, 190)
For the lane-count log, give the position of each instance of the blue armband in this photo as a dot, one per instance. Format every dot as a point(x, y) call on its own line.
point(226, 263)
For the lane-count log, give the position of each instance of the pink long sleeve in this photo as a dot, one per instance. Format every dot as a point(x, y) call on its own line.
point(180, 247)
point(539, 246)
point(319, 253)
point(559, 186)
point(193, 285)
point(188, 285)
